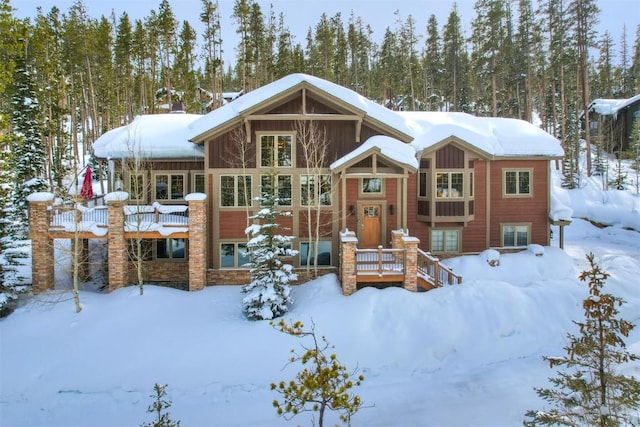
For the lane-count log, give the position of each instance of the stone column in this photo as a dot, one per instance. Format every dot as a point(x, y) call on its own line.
point(117, 252)
point(348, 246)
point(42, 265)
point(396, 243)
point(197, 241)
point(410, 263)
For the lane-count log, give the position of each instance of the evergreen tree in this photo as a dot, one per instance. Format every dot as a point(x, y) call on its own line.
point(591, 391)
point(634, 151)
point(268, 294)
point(454, 55)
point(210, 17)
point(432, 67)
point(159, 407)
point(635, 64)
point(325, 384)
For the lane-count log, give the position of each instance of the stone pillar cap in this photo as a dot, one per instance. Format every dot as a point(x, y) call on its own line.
point(43, 196)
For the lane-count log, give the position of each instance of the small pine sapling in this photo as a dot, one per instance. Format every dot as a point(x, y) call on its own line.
point(591, 391)
point(322, 384)
point(159, 407)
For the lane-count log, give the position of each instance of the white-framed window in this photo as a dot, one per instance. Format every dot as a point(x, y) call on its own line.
point(169, 186)
point(445, 240)
point(282, 186)
point(449, 185)
point(171, 249)
point(315, 190)
point(307, 253)
point(137, 186)
point(233, 255)
point(198, 182)
point(517, 182)
point(371, 186)
point(235, 190)
point(515, 235)
point(276, 150)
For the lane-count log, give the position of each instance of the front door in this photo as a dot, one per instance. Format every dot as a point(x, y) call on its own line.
point(370, 233)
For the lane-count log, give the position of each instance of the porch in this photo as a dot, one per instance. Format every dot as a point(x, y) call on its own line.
point(404, 263)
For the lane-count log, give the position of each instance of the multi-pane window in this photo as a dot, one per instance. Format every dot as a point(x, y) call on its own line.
point(235, 190)
point(198, 183)
point(445, 240)
point(282, 186)
point(276, 150)
point(171, 249)
point(371, 186)
point(136, 186)
point(515, 235)
point(449, 184)
point(315, 190)
point(233, 255)
point(517, 183)
point(169, 186)
point(307, 253)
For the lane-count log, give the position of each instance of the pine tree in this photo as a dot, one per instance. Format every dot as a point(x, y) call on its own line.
point(591, 391)
point(454, 55)
point(159, 407)
point(432, 66)
point(325, 384)
point(634, 151)
point(268, 294)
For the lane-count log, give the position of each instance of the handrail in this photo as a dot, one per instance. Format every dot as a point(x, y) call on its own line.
point(66, 216)
point(380, 261)
point(436, 273)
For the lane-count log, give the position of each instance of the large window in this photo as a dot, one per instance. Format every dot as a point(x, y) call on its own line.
point(315, 190)
point(276, 150)
point(371, 186)
point(169, 186)
point(171, 249)
point(449, 184)
point(233, 255)
point(517, 183)
point(235, 190)
point(307, 253)
point(445, 240)
point(282, 187)
point(515, 235)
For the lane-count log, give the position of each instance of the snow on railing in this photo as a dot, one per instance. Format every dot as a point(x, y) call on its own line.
point(430, 268)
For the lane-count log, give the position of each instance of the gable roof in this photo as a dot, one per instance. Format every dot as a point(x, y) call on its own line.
point(396, 151)
point(491, 136)
point(376, 113)
point(609, 107)
point(161, 136)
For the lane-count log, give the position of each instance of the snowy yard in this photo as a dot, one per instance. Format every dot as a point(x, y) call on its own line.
point(455, 356)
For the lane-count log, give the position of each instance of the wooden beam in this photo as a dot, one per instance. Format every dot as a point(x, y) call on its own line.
point(291, 116)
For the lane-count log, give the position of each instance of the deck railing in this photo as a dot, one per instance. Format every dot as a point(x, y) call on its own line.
point(380, 261)
point(431, 270)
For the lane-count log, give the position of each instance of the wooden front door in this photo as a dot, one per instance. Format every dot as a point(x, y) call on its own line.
point(371, 223)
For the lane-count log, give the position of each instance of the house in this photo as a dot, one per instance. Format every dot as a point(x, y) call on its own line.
point(612, 121)
point(350, 172)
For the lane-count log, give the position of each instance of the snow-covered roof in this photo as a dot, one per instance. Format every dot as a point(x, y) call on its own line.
point(398, 151)
point(234, 109)
point(159, 136)
point(494, 136)
point(607, 107)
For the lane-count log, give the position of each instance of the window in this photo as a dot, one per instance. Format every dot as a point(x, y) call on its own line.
point(315, 190)
point(233, 255)
point(283, 187)
point(515, 235)
point(324, 253)
point(276, 150)
point(470, 184)
point(371, 186)
point(449, 184)
point(169, 186)
point(198, 183)
point(235, 190)
point(136, 186)
point(445, 240)
point(517, 183)
point(171, 249)
point(422, 184)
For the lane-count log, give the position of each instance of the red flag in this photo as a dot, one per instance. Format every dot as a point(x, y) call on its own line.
point(87, 185)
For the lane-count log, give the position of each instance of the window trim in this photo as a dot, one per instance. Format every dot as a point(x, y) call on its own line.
point(309, 243)
point(426, 174)
point(169, 175)
point(517, 194)
point(458, 231)
point(194, 175)
point(277, 178)
point(320, 194)
point(235, 177)
point(170, 258)
point(526, 225)
point(363, 193)
point(449, 183)
point(130, 175)
point(276, 134)
point(236, 252)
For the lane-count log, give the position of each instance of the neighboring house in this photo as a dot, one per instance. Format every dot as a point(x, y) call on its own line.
point(612, 120)
point(457, 183)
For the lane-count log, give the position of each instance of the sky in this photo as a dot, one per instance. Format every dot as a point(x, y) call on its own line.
point(302, 14)
point(458, 356)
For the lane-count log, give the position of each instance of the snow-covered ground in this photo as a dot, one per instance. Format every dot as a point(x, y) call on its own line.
point(468, 355)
